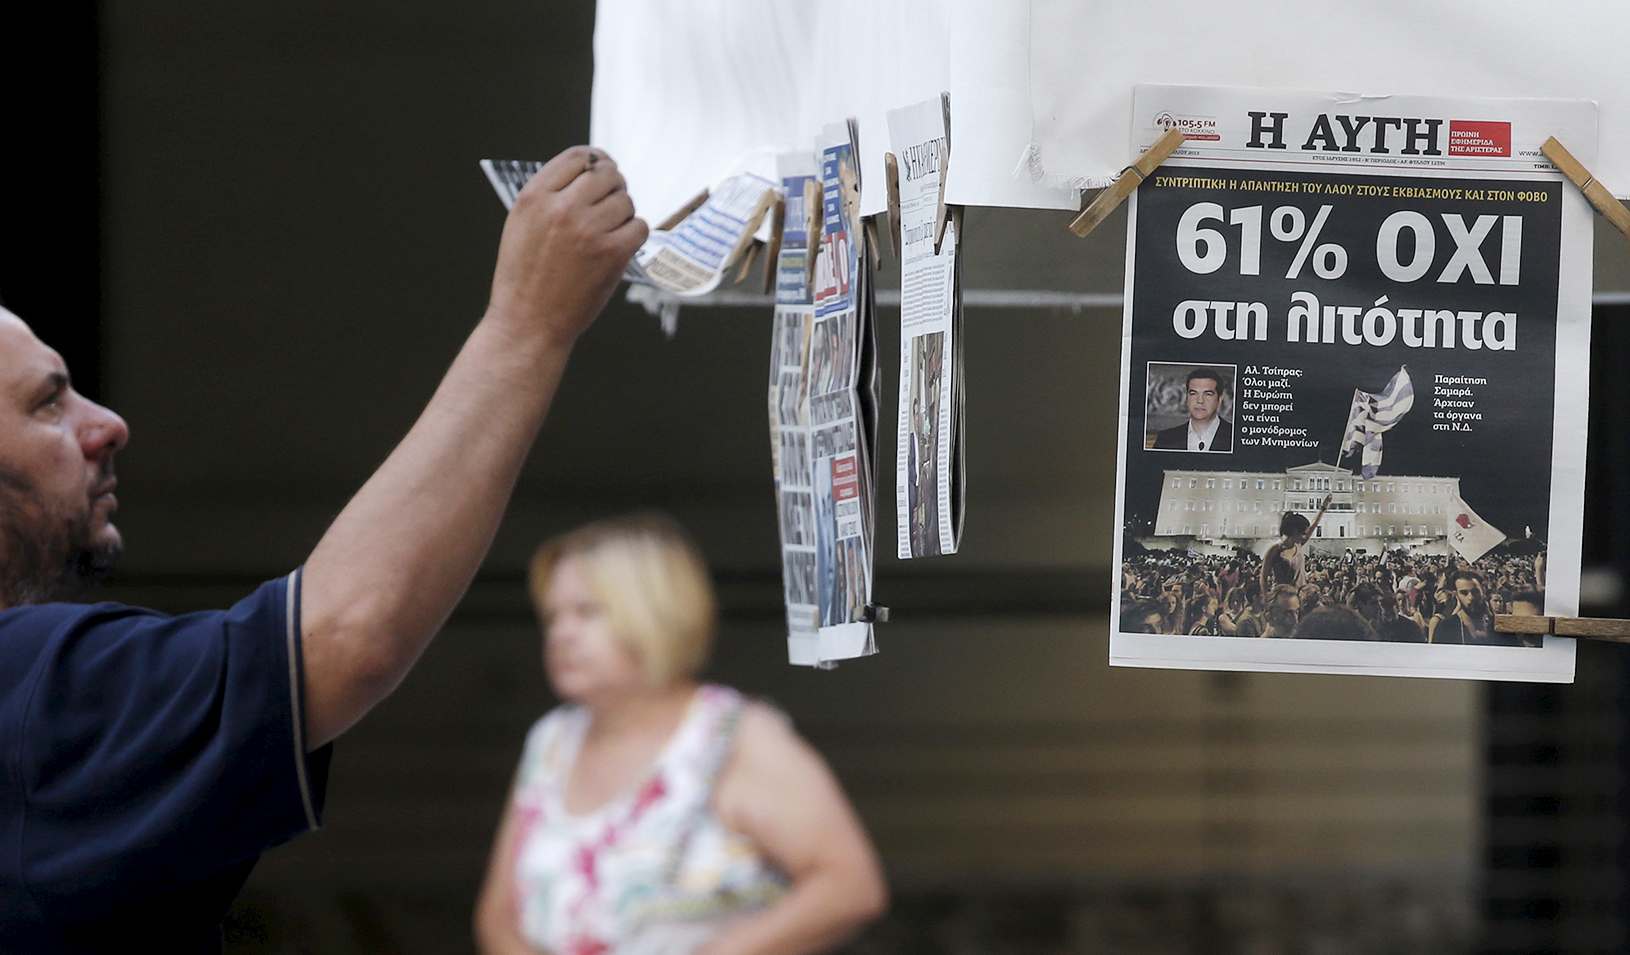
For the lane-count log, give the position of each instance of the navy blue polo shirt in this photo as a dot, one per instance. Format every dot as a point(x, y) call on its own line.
point(148, 761)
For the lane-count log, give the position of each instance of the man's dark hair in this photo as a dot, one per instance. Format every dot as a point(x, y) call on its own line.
point(1211, 373)
point(1334, 623)
point(1292, 524)
point(1463, 573)
point(1364, 593)
point(1527, 596)
point(1134, 617)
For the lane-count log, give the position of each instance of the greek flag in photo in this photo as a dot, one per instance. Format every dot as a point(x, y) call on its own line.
point(1372, 414)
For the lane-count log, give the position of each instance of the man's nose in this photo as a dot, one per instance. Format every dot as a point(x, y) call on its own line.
point(103, 432)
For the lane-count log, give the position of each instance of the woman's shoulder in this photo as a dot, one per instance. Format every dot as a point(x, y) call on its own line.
point(743, 707)
point(747, 722)
point(548, 734)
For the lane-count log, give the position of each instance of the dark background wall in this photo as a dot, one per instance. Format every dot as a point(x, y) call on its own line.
point(278, 245)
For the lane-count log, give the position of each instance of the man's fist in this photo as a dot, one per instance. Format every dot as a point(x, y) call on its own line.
point(565, 245)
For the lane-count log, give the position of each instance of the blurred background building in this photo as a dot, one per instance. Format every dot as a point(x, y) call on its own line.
point(258, 231)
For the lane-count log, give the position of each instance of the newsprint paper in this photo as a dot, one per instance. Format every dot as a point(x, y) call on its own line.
point(691, 258)
point(928, 466)
point(823, 409)
point(1354, 386)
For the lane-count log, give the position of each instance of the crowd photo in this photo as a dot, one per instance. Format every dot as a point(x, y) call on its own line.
point(1393, 596)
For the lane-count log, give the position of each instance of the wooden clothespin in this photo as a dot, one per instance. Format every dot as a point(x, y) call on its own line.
point(814, 225)
point(754, 220)
point(940, 218)
point(772, 255)
point(679, 215)
point(849, 194)
point(1108, 199)
point(747, 260)
point(1590, 628)
point(1597, 193)
point(891, 174)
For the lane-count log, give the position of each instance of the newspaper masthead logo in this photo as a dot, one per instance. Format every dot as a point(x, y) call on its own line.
point(1192, 127)
point(1405, 135)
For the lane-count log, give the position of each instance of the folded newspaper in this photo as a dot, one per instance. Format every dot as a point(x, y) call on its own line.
point(823, 408)
point(692, 257)
point(929, 468)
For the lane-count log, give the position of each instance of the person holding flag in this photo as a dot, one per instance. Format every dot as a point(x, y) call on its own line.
point(1371, 415)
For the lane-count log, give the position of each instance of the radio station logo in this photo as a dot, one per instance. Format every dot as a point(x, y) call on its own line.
point(1193, 127)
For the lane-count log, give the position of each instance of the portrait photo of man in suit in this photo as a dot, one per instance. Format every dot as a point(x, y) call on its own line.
point(1205, 392)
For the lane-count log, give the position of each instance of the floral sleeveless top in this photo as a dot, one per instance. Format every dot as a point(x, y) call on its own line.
point(652, 872)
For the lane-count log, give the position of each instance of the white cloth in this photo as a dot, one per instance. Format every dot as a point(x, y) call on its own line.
point(687, 92)
point(1086, 55)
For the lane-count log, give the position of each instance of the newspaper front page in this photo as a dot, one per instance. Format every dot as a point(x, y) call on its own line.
point(823, 408)
point(928, 464)
point(789, 412)
point(1354, 385)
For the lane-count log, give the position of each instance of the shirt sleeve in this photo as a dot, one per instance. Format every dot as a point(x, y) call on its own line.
point(158, 750)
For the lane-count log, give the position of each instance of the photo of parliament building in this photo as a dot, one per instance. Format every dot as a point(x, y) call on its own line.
point(1218, 512)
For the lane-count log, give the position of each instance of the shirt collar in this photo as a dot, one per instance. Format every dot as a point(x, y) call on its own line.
point(1206, 435)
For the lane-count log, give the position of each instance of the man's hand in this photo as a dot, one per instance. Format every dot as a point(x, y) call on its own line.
point(564, 246)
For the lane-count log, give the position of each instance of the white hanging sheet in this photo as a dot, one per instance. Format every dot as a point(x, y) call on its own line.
point(688, 92)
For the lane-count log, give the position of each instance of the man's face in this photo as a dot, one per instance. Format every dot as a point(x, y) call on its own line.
point(56, 474)
point(1469, 594)
point(1204, 396)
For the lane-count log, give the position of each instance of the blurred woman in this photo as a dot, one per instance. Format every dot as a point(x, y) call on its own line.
point(652, 815)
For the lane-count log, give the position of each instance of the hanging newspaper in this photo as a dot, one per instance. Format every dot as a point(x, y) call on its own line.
point(1353, 397)
point(692, 257)
point(825, 359)
point(928, 464)
point(789, 408)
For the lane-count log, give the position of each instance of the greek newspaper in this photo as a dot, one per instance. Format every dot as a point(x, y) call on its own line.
point(789, 410)
point(928, 464)
point(689, 259)
point(1354, 387)
point(825, 360)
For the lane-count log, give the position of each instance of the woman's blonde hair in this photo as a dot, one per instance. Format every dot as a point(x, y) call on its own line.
point(650, 577)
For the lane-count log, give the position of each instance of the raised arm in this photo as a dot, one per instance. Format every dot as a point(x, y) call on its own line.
point(1324, 505)
point(398, 558)
point(778, 792)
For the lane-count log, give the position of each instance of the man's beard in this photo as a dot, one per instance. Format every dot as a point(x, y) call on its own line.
point(46, 557)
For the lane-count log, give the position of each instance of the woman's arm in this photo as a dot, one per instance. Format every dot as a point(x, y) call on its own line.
point(1323, 506)
point(495, 930)
point(778, 792)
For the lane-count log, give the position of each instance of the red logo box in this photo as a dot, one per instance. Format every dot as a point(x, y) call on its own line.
point(1479, 138)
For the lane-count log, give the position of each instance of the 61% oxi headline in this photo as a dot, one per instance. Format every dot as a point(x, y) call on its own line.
point(1204, 250)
